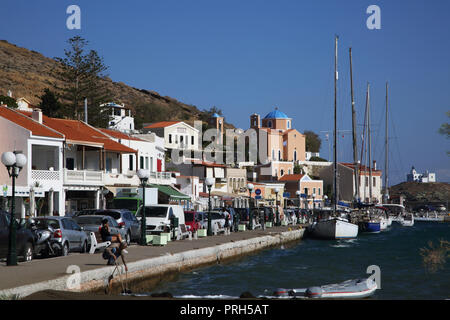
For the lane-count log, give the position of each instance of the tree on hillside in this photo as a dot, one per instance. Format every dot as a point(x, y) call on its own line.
point(80, 74)
point(10, 102)
point(445, 127)
point(50, 104)
point(313, 141)
point(207, 114)
point(148, 113)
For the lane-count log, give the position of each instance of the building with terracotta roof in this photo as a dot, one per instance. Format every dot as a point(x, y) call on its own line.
point(282, 144)
point(150, 156)
point(42, 178)
point(310, 189)
point(176, 134)
point(92, 160)
point(346, 182)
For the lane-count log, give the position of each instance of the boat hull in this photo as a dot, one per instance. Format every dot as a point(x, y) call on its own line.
point(383, 224)
point(369, 227)
point(334, 229)
point(350, 289)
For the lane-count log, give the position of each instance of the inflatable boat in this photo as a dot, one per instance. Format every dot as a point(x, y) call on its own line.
point(350, 289)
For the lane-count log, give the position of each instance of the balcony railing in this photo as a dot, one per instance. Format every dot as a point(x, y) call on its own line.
point(45, 175)
point(84, 177)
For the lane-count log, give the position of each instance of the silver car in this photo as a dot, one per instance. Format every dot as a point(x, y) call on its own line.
point(92, 223)
point(66, 231)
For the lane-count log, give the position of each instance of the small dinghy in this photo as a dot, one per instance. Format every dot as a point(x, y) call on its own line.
point(353, 289)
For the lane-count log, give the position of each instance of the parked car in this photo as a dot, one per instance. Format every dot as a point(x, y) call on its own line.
point(217, 221)
point(231, 213)
point(193, 220)
point(83, 212)
point(159, 219)
point(92, 223)
point(67, 232)
point(25, 241)
point(258, 217)
point(244, 214)
point(123, 218)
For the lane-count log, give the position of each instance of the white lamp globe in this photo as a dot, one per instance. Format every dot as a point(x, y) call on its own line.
point(298, 192)
point(250, 186)
point(210, 181)
point(8, 158)
point(313, 195)
point(143, 174)
point(276, 190)
point(21, 160)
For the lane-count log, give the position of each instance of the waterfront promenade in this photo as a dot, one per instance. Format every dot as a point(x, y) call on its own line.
point(143, 262)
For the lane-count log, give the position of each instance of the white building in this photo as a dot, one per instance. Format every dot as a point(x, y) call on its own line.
point(420, 177)
point(309, 154)
point(120, 118)
point(150, 156)
point(346, 182)
point(41, 179)
point(24, 105)
point(176, 134)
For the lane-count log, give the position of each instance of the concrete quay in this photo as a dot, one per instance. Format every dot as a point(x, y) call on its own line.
point(144, 263)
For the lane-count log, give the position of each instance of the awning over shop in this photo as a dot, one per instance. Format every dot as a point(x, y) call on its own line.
point(170, 191)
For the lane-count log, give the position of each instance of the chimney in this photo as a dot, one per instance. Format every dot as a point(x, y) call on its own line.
point(37, 115)
point(374, 165)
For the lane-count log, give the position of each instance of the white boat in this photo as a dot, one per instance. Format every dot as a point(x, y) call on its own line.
point(389, 221)
point(383, 224)
point(407, 220)
point(427, 218)
point(333, 228)
point(357, 288)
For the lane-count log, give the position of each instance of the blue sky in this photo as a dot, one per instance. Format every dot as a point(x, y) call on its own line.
point(250, 56)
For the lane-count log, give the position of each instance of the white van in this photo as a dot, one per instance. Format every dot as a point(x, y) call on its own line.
point(158, 219)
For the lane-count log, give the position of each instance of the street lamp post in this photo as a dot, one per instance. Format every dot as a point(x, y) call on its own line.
point(250, 188)
point(143, 176)
point(14, 162)
point(277, 190)
point(209, 183)
point(298, 193)
point(105, 191)
point(314, 204)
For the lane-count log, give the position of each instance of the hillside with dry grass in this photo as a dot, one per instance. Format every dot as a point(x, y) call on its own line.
point(27, 73)
point(415, 192)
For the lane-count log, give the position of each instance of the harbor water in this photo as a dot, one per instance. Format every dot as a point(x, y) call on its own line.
point(317, 262)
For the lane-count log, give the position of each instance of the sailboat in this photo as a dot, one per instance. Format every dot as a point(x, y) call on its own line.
point(335, 226)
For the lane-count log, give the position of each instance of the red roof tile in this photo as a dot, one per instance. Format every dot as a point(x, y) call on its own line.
point(118, 135)
point(77, 131)
point(291, 177)
point(363, 170)
point(161, 124)
point(26, 122)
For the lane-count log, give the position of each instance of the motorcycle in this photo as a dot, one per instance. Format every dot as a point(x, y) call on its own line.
point(45, 245)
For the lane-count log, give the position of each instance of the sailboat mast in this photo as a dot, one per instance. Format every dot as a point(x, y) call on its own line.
point(386, 158)
point(355, 148)
point(369, 143)
point(364, 149)
point(335, 125)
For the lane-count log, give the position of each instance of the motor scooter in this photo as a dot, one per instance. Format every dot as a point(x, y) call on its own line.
point(46, 246)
